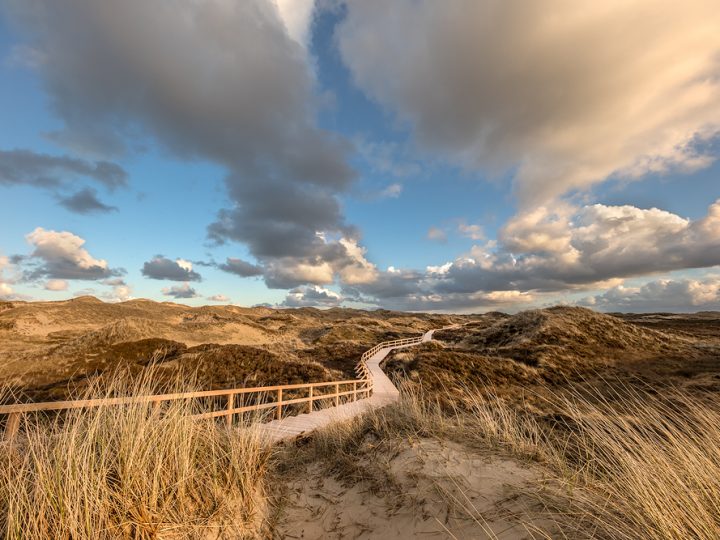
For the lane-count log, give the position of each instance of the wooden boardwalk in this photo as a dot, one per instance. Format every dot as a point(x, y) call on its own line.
point(370, 380)
point(384, 393)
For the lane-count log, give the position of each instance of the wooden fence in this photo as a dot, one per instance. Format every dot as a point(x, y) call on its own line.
point(352, 389)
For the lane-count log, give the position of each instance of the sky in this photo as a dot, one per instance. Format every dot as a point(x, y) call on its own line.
point(460, 156)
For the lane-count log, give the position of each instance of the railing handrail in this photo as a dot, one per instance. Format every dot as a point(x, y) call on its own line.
point(393, 343)
point(363, 385)
point(82, 403)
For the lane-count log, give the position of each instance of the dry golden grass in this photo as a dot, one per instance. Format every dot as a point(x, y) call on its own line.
point(631, 465)
point(642, 465)
point(132, 472)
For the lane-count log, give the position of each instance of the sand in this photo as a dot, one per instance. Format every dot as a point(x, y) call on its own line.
point(441, 490)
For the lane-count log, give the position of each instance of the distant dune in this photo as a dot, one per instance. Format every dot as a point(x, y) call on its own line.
point(50, 349)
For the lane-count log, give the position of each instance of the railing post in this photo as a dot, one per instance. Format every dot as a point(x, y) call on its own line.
point(354, 391)
point(12, 424)
point(279, 404)
point(310, 401)
point(337, 397)
point(230, 407)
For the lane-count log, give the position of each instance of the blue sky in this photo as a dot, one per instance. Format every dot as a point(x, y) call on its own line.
point(419, 156)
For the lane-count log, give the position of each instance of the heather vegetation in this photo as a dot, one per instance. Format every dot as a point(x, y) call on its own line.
point(559, 423)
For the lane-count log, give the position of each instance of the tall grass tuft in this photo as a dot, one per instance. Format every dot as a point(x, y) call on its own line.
point(645, 465)
point(133, 471)
point(624, 464)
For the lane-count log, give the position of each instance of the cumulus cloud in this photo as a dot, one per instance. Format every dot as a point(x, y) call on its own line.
point(342, 257)
point(120, 292)
point(180, 291)
point(240, 267)
point(5, 288)
point(312, 296)
point(410, 290)
point(218, 298)
point(85, 201)
point(56, 285)
point(568, 247)
point(160, 267)
point(391, 285)
point(550, 250)
point(229, 82)
point(355, 268)
point(681, 294)
point(60, 255)
point(579, 93)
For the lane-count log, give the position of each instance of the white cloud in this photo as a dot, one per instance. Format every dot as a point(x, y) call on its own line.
point(343, 258)
point(56, 285)
point(547, 251)
point(439, 270)
point(683, 294)
point(288, 272)
point(358, 269)
point(218, 298)
point(6, 290)
point(570, 247)
point(565, 94)
point(121, 291)
point(61, 256)
point(186, 265)
point(312, 296)
point(297, 16)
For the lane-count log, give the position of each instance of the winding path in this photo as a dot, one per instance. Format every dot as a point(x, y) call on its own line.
point(384, 393)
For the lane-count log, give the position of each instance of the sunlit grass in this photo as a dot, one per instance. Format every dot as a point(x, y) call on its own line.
point(134, 471)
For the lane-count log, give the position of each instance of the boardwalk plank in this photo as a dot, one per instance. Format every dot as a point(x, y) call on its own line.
point(384, 393)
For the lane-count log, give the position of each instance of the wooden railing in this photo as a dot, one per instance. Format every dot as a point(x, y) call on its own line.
point(394, 343)
point(352, 389)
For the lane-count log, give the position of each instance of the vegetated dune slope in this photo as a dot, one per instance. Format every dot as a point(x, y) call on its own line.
point(562, 344)
point(50, 349)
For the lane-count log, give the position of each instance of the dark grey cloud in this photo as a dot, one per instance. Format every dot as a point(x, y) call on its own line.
point(48, 171)
point(231, 86)
point(676, 294)
point(312, 296)
point(60, 255)
point(85, 201)
point(408, 290)
point(160, 267)
point(277, 219)
point(240, 268)
point(390, 285)
point(180, 291)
